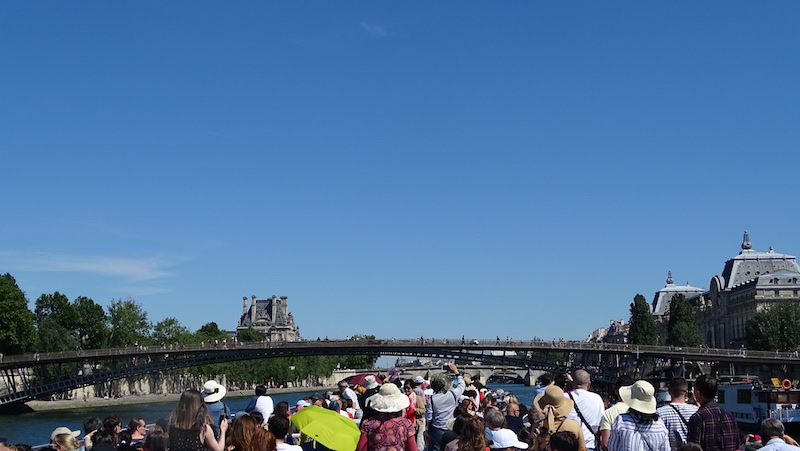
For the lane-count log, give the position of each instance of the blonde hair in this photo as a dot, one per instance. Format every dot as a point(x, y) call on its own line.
point(66, 442)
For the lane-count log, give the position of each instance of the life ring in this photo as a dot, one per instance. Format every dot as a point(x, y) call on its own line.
point(786, 383)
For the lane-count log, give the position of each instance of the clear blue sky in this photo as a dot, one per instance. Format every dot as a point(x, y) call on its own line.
point(394, 168)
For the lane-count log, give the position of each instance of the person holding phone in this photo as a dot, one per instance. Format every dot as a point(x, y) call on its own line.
point(213, 392)
point(190, 425)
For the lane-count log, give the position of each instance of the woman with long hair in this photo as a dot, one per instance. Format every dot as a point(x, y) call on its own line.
point(473, 436)
point(246, 434)
point(282, 409)
point(190, 425)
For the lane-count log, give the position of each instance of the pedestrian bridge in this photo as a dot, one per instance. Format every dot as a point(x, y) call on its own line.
point(29, 376)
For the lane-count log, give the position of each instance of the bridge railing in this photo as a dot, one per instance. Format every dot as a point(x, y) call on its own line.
point(465, 344)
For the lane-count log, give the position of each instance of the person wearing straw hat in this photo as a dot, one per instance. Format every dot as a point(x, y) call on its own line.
point(553, 407)
point(639, 428)
point(388, 430)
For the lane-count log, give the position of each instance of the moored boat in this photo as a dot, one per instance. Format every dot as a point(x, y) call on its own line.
point(750, 400)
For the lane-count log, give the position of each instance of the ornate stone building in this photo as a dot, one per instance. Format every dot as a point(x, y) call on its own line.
point(662, 300)
point(269, 316)
point(750, 282)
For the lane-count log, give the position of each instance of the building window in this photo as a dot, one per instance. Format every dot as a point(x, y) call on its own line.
point(777, 292)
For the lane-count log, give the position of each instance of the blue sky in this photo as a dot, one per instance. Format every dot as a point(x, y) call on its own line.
point(394, 168)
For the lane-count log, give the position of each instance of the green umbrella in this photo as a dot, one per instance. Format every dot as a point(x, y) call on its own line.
point(330, 428)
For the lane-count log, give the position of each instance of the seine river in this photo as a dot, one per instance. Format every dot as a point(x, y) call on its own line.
point(35, 428)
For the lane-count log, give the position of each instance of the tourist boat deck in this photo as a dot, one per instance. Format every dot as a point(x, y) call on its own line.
point(751, 400)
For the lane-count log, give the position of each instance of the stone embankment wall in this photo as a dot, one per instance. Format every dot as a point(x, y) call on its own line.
point(158, 383)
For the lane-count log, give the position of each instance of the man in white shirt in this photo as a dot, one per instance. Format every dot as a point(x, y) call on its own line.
point(261, 403)
point(772, 430)
point(588, 409)
point(347, 393)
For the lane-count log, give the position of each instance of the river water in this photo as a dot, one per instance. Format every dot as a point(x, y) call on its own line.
point(35, 428)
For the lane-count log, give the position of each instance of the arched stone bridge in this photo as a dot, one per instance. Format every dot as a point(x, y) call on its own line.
point(26, 376)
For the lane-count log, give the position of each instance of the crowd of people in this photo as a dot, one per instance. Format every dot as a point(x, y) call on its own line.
point(449, 412)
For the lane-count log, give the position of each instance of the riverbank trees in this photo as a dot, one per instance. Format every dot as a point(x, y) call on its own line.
point(18, 333)
point(56, 324)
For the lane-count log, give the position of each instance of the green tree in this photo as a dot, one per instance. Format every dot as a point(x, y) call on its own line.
point(682, 328)
point(642, 329)
point(774, 329)
point(210, 332)
point(56, 323)
point(17, 333)
point(170, 330)
point(249, 335)
point(92, 328)
point(129, 324)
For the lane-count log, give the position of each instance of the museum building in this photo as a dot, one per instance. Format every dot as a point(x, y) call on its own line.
point(750, 282)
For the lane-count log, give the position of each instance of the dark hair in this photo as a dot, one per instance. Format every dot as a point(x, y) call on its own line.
point(111, 421)
point(706, 385)
point(103, 437)
point(164, 424)
point(545, 379)
point(91, 424)
point(261, 390)
point(279, 426)
point(677, 386)
point(125, 440)
point(623, 381)
point(156, 440)
point(690, 446)
point(282, 409)
point(110, 424)
point(642, 418)
point(134, 423)
point(771, 427)
point(461, 420)
point(564, 441)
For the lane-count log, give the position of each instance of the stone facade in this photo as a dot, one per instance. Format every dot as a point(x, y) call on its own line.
point(750, 282)
point(270, 316)
point(663, 300)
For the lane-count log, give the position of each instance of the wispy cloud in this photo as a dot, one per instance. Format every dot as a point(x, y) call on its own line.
point(374, 29)
point(136, 269)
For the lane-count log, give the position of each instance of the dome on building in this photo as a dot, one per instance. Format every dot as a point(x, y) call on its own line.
point(663, 296)
point(749, 265)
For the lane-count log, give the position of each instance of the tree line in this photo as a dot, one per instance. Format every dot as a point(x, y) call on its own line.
point(772, 329)
point(58, 324)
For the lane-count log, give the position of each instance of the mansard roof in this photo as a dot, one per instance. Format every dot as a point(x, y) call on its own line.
point(664, 295)
point(750, 265)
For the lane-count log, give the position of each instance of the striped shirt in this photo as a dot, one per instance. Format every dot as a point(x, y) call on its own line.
point(626, 435)
point(676, 426)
